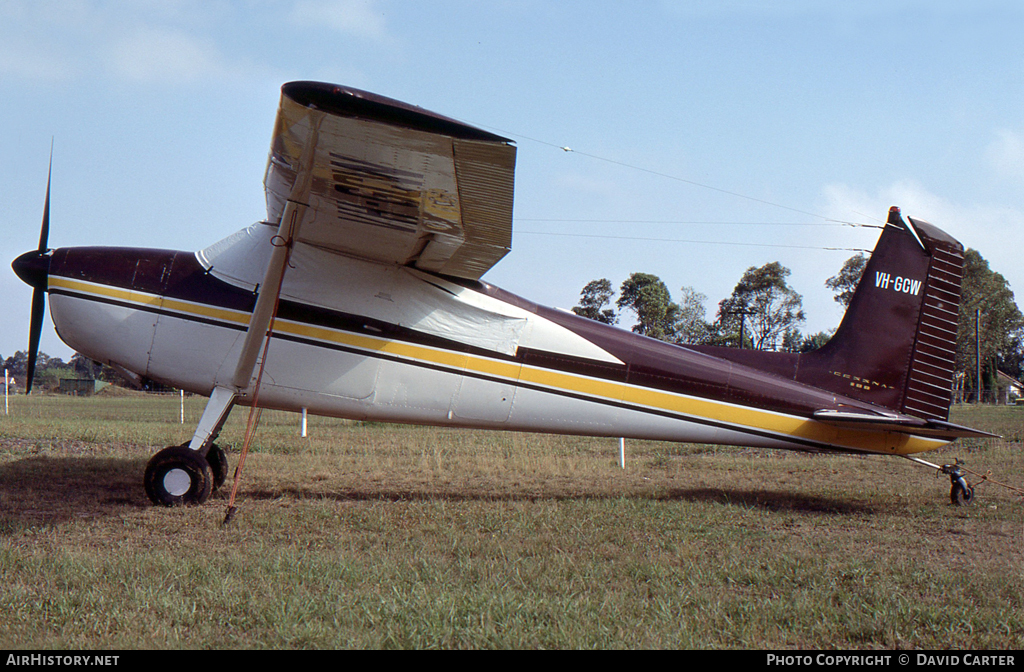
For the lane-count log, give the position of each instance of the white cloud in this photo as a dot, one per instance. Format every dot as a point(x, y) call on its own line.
point(995, 230)
point(24, 61)
point(1006, 155)
point(39, 40)
point(157, 54)
point(170, 41)
point(354, 18)
point(862, 8)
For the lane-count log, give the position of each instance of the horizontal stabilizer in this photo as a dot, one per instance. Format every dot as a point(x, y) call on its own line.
point(899, 423)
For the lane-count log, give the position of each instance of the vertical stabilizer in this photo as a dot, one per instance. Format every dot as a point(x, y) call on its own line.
point(896, 345)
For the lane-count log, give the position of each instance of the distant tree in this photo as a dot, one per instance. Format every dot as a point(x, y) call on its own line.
point(56, 363)
point(595, 296)
point(53, 373)
point(844, 283)
point(792, 340)
point(1001, 326)
point(17, 364)
point(766, 303)
point(1012, 363)
point(49, 370)
point(93, 370)
point(82, 365)
point(649, 299)
point(814, 341)
point(691, 325)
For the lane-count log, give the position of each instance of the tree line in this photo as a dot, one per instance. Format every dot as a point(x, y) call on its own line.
point(51, 370)
point(765, 313)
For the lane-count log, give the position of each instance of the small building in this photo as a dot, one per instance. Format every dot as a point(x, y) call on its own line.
point(1010, 389)
point(80, 387)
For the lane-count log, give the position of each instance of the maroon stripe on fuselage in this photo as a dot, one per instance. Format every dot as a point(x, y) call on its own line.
point(170, 273)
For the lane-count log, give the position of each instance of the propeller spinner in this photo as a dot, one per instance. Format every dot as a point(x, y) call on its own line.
point(34, 269)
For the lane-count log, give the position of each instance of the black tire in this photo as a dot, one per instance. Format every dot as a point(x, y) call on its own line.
point(961, 496)
point(218, 460)
point(177, 476)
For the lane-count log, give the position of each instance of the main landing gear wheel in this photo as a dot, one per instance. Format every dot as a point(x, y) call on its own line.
point(177, 476)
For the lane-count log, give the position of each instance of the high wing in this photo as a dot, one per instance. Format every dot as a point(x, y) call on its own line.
point(390, 182)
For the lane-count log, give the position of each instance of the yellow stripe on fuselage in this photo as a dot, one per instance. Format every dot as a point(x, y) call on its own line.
point(147, 300)
point(741, 417)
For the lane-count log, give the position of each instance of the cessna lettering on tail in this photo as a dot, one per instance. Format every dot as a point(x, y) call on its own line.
point(898, 284)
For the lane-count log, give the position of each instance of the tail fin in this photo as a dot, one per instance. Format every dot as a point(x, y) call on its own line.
point(896, 345)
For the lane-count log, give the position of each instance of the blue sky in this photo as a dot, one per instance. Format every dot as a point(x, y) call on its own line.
point(794, 113)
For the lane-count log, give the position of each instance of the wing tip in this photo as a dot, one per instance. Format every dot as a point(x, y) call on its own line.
point(348, 101)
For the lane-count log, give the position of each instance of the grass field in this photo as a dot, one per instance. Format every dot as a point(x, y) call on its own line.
point(368, 535)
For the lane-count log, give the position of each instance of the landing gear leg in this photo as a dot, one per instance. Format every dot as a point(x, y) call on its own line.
point(960, 492)
point(214, 416)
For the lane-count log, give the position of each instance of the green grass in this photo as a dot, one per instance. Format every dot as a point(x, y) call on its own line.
point(373, 536)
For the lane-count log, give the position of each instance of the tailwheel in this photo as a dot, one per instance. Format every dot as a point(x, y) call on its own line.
point(177, 476)
point(218, 460)
point(961, 494)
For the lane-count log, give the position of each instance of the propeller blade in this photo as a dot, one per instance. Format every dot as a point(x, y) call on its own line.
point(35, 329)
point(44, 232)
point(29, 269)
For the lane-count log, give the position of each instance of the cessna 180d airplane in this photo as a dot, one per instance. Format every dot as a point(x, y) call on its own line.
point(360, 297)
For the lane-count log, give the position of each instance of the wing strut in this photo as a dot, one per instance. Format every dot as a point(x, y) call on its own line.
point(266, 304)
point(287, 230)
point(224, 396)
point(261, 325)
